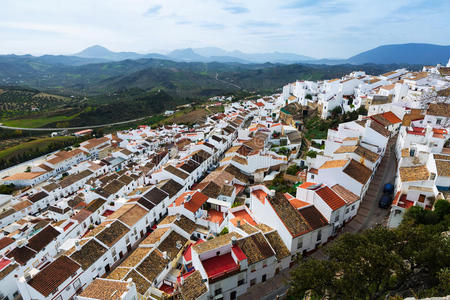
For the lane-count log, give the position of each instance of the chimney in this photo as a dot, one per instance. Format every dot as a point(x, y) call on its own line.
point(165, 255)
point(238, 223)
point(178, 217)
point(129, 283)
point(233, 240)
point(77, 245)
point(182, 280)
point(187, 198)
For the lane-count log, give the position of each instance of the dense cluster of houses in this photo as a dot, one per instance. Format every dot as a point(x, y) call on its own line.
point(409, 108)
point(188, 213)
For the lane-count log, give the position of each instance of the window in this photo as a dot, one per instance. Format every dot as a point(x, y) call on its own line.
point(77, 284)
point(300, 243)
point(336, 218)
point(347, 210)
point(312, 176)
point(319, 235)
point(438, 121)
point(353, 207)
point(218, 291)
point(253, 281)
point(241, 282)
point(264, 277)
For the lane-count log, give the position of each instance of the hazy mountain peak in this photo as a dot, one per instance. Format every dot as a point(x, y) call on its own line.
point(94, 51)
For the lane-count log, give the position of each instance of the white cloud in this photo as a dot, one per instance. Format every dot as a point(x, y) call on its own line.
point(316, 28)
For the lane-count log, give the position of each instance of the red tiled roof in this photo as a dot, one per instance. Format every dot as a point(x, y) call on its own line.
point(298, 203)
point(416, 131)
point(260, 194)
point(243, 214)
point(330, 198)
point(238, 252)
point(391, 117)
point(196, 202)
point(188, 253)
point(4, 262)
point(219, 265)
point(306, 185)
point(215, 216)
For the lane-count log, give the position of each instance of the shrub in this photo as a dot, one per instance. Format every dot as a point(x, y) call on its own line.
point(311, 153)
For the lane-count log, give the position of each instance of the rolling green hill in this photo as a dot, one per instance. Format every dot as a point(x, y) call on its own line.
point(101, 93)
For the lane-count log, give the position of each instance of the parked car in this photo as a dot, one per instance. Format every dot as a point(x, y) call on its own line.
point(388, 189)
point(385, 201)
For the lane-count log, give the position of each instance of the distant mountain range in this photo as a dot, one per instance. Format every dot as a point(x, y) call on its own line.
point(421, 54)
point(208, 54)
point(412, 53)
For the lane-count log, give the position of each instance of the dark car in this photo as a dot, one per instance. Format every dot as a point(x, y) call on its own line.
point(388, 189)
point(385, 201)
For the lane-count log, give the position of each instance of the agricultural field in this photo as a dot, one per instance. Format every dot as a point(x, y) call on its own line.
point(60, 117)
point(32, 148)
point(20, 101)
point(191, 116)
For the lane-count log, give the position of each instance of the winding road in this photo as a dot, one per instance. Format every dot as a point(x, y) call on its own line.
point(72, 128)
point(230, 83)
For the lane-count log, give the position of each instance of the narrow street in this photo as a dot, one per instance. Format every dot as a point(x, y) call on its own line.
point(369, 215)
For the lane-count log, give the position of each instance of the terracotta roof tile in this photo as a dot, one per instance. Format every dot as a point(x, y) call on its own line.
point(277, 244)
point(152, 265)
point(52, 276)
point(193, 287)
point(415, 173)
point(358, 171)
point(216, 242)
point(291, 218)
point(255, 247)
point(344, 193)
point(104, 289)
point(331, 198)
point(43, 238)
point(334, 164)
point(88, 254)
point(313, 217)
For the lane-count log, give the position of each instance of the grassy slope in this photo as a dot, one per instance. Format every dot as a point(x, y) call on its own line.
point(38, 121)
point(41, 144)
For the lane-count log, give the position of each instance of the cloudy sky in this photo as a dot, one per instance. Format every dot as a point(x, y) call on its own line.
point(317, 28)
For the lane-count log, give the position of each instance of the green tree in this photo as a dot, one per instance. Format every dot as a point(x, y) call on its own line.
point(413, 258)
point(292, 170)
point(335, 112)
point(6, 189)
point(311, 153)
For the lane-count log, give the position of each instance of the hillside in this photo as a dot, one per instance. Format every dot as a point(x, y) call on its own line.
point(424, 54)
point(179, 79)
